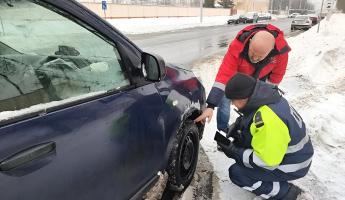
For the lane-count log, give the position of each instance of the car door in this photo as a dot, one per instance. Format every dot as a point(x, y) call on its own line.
point(73, 123)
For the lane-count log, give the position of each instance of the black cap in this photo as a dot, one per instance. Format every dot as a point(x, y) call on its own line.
point(240, 86)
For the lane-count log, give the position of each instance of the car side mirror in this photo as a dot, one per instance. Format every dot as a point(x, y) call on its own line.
point(153, 67)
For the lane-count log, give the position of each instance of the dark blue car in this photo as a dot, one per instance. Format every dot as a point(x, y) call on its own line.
point(84, 113)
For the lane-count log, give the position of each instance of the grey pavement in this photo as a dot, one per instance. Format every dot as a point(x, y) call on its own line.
point(186, 46)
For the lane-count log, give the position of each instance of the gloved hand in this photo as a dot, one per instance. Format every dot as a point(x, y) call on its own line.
point(235, 133)
point(234, 127)
point(230, 150)
point(231, 129)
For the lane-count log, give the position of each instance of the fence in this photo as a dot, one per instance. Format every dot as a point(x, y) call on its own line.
point(136, 11)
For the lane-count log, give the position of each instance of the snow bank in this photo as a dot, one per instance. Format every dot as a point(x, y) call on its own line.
point(148, 25)
point(315, 85)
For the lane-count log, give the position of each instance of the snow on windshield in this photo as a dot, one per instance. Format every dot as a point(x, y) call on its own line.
point(33, 29)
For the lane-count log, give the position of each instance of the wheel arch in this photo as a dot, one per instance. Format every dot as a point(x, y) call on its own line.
point(188, 116)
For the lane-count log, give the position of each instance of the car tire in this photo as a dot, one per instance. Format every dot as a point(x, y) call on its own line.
point(183, 158)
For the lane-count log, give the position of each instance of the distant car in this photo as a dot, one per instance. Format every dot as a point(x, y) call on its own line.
point(242, 19)
point(251, 17)
point(85, 114)
point(264, 16)
point(237, 19)
point(314, 18)
point(234, 19)
point(301, 22)
point(293, 15)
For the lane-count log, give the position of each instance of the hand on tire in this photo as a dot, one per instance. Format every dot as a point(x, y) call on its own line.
point(208, 113)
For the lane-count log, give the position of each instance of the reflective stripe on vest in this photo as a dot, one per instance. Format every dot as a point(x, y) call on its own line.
point(299, 145)
point(295, 167)
point(219, 85)
point(288, 168)
point(246, 157)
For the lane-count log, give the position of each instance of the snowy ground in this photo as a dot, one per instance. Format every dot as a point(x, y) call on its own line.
point(315, 85)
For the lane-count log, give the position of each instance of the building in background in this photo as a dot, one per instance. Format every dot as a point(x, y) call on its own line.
point(171, 8)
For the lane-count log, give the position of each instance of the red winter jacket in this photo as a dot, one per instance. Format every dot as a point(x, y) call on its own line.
point(234, 62)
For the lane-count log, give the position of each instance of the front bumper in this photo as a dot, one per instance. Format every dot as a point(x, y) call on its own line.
point(300, 26)
point(232, 21)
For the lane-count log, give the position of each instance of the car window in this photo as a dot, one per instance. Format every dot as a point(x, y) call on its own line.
point(45, 57)
point(302, 17)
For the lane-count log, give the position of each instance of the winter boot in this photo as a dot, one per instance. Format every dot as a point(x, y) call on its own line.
point(292, 193)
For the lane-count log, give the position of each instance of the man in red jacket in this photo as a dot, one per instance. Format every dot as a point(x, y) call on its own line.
point(258, 50)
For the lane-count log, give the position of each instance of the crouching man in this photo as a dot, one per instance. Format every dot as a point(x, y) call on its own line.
point(272, 147)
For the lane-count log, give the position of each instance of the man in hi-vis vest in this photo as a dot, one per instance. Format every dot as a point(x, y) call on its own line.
point(270, 143)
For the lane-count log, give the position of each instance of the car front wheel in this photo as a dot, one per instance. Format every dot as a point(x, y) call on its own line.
point(184, 157)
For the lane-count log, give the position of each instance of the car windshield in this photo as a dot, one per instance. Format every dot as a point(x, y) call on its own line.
point(45, 57)
point(301, 17)
point(249, 14)
point(24, 20)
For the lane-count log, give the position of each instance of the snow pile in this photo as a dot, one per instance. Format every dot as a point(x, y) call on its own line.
point(315, 86)
point(149, 25)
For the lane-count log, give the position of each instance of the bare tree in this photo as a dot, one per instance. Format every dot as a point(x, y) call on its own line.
point(209, 4)
point(226, 3)
point(299, 6)
point(341, 5)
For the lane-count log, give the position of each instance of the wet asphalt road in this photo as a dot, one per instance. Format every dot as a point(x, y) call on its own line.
point(186, 46)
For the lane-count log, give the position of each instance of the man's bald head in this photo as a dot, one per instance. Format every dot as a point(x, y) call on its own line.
point(261, 44)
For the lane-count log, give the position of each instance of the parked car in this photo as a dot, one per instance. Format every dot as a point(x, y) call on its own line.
point(242, 19)
point(314, 18)
point(301, 22)
point(234, 19)
point(251, 17)
point(293, 15)
point(264, 16)
point(85, 113)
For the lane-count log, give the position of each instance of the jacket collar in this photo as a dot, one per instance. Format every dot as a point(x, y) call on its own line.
point(263, 94)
